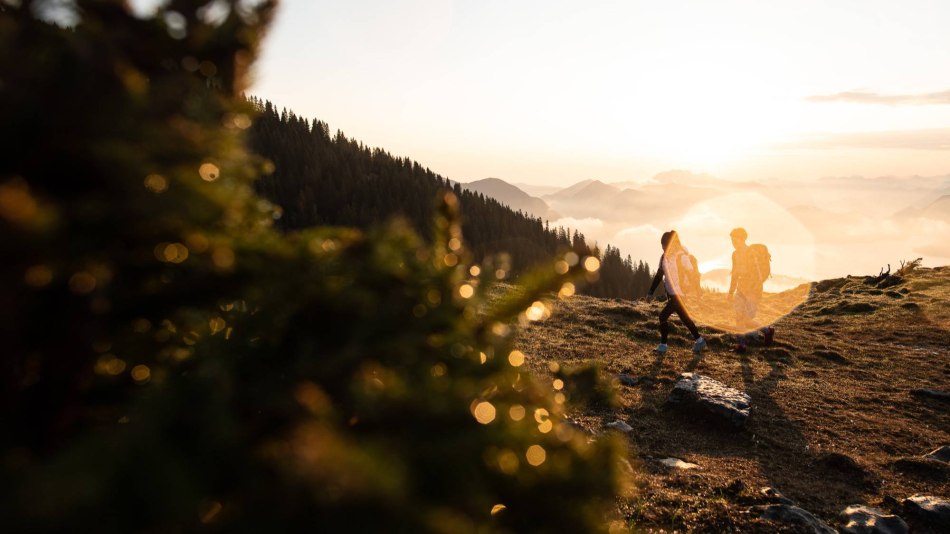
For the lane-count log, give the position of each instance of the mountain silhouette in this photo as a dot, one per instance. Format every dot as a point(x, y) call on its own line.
point(513, 197)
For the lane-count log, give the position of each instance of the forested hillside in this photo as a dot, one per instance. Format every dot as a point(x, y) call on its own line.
point(319, 179)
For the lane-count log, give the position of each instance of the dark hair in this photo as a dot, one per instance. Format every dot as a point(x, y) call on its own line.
point(668, 238)
point(739, 233)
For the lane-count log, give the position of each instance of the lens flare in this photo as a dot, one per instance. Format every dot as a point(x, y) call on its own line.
point(704, 231)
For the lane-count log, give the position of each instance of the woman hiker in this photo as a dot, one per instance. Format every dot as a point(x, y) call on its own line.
point(674, 268)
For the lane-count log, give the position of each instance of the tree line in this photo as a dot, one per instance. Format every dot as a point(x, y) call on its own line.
point(319, 178)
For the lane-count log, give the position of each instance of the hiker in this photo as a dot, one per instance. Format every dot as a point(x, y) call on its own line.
point(675, 269)
point(750, 268)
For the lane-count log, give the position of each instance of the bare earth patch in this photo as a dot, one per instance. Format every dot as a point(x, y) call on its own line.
point(834, 421)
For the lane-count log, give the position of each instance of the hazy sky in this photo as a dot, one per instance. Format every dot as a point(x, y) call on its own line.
point(556, 92)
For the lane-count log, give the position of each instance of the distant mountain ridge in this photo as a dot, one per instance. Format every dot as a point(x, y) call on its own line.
point(513, 197)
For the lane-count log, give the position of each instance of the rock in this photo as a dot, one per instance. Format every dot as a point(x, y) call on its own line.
point(910, 306)
point(941, 455)
point(784, 513)
point(929, 509)
point(857, 519)
point(775, 496)
point(621, 426)
point(931, 394)
point(706, 395)
point(627, 380)
point(894, 295)
point(889, 281)
point(676, 463)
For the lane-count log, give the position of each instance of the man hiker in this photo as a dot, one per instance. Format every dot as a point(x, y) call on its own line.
point(674, 270)
point(750, 268)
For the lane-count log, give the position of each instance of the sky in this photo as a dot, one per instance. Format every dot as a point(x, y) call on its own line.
point(555, 92)
point(824, 127)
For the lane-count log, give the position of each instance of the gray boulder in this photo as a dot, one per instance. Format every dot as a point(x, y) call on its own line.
point(857, 519)
point(784, 513)
point(929, 509)
point(703, 394)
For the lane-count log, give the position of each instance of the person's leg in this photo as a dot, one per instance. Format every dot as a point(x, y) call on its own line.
point(745, 311)
point(681, 311)
point(665, 319)
point(700, 343)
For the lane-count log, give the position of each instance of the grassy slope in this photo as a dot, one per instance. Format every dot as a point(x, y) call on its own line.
point(833, 420)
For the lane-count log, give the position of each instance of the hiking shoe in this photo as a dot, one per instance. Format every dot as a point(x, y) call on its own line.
point(699, 345)
point(768, 335)
point(661, 348)
point(740, 348)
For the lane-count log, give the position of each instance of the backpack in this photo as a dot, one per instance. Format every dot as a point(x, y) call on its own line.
point(689, 275)
point(761, 262)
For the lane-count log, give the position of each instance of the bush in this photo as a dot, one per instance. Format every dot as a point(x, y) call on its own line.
point(175, 364)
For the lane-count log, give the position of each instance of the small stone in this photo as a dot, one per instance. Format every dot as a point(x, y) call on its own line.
point(676, 463)
point(620, 425)
point(930, 509)
point(941, 455)
point(857, 519)
point(627, 380)
point(784, 513)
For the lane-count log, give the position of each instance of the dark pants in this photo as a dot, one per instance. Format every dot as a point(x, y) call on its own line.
point(675, 305)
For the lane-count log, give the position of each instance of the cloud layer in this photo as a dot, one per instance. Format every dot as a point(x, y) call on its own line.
point(927, 139)
point(864, 97)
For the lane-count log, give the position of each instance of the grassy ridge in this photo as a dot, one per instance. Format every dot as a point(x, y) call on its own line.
point(834, 422)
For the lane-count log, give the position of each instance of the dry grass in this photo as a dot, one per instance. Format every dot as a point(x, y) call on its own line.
point(833, 420)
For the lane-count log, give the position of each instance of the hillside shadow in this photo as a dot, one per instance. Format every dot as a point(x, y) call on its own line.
point(773, 438)
point(819, 482)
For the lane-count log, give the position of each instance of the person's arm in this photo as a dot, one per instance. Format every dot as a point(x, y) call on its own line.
point(657, 278)
point(733, 278)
